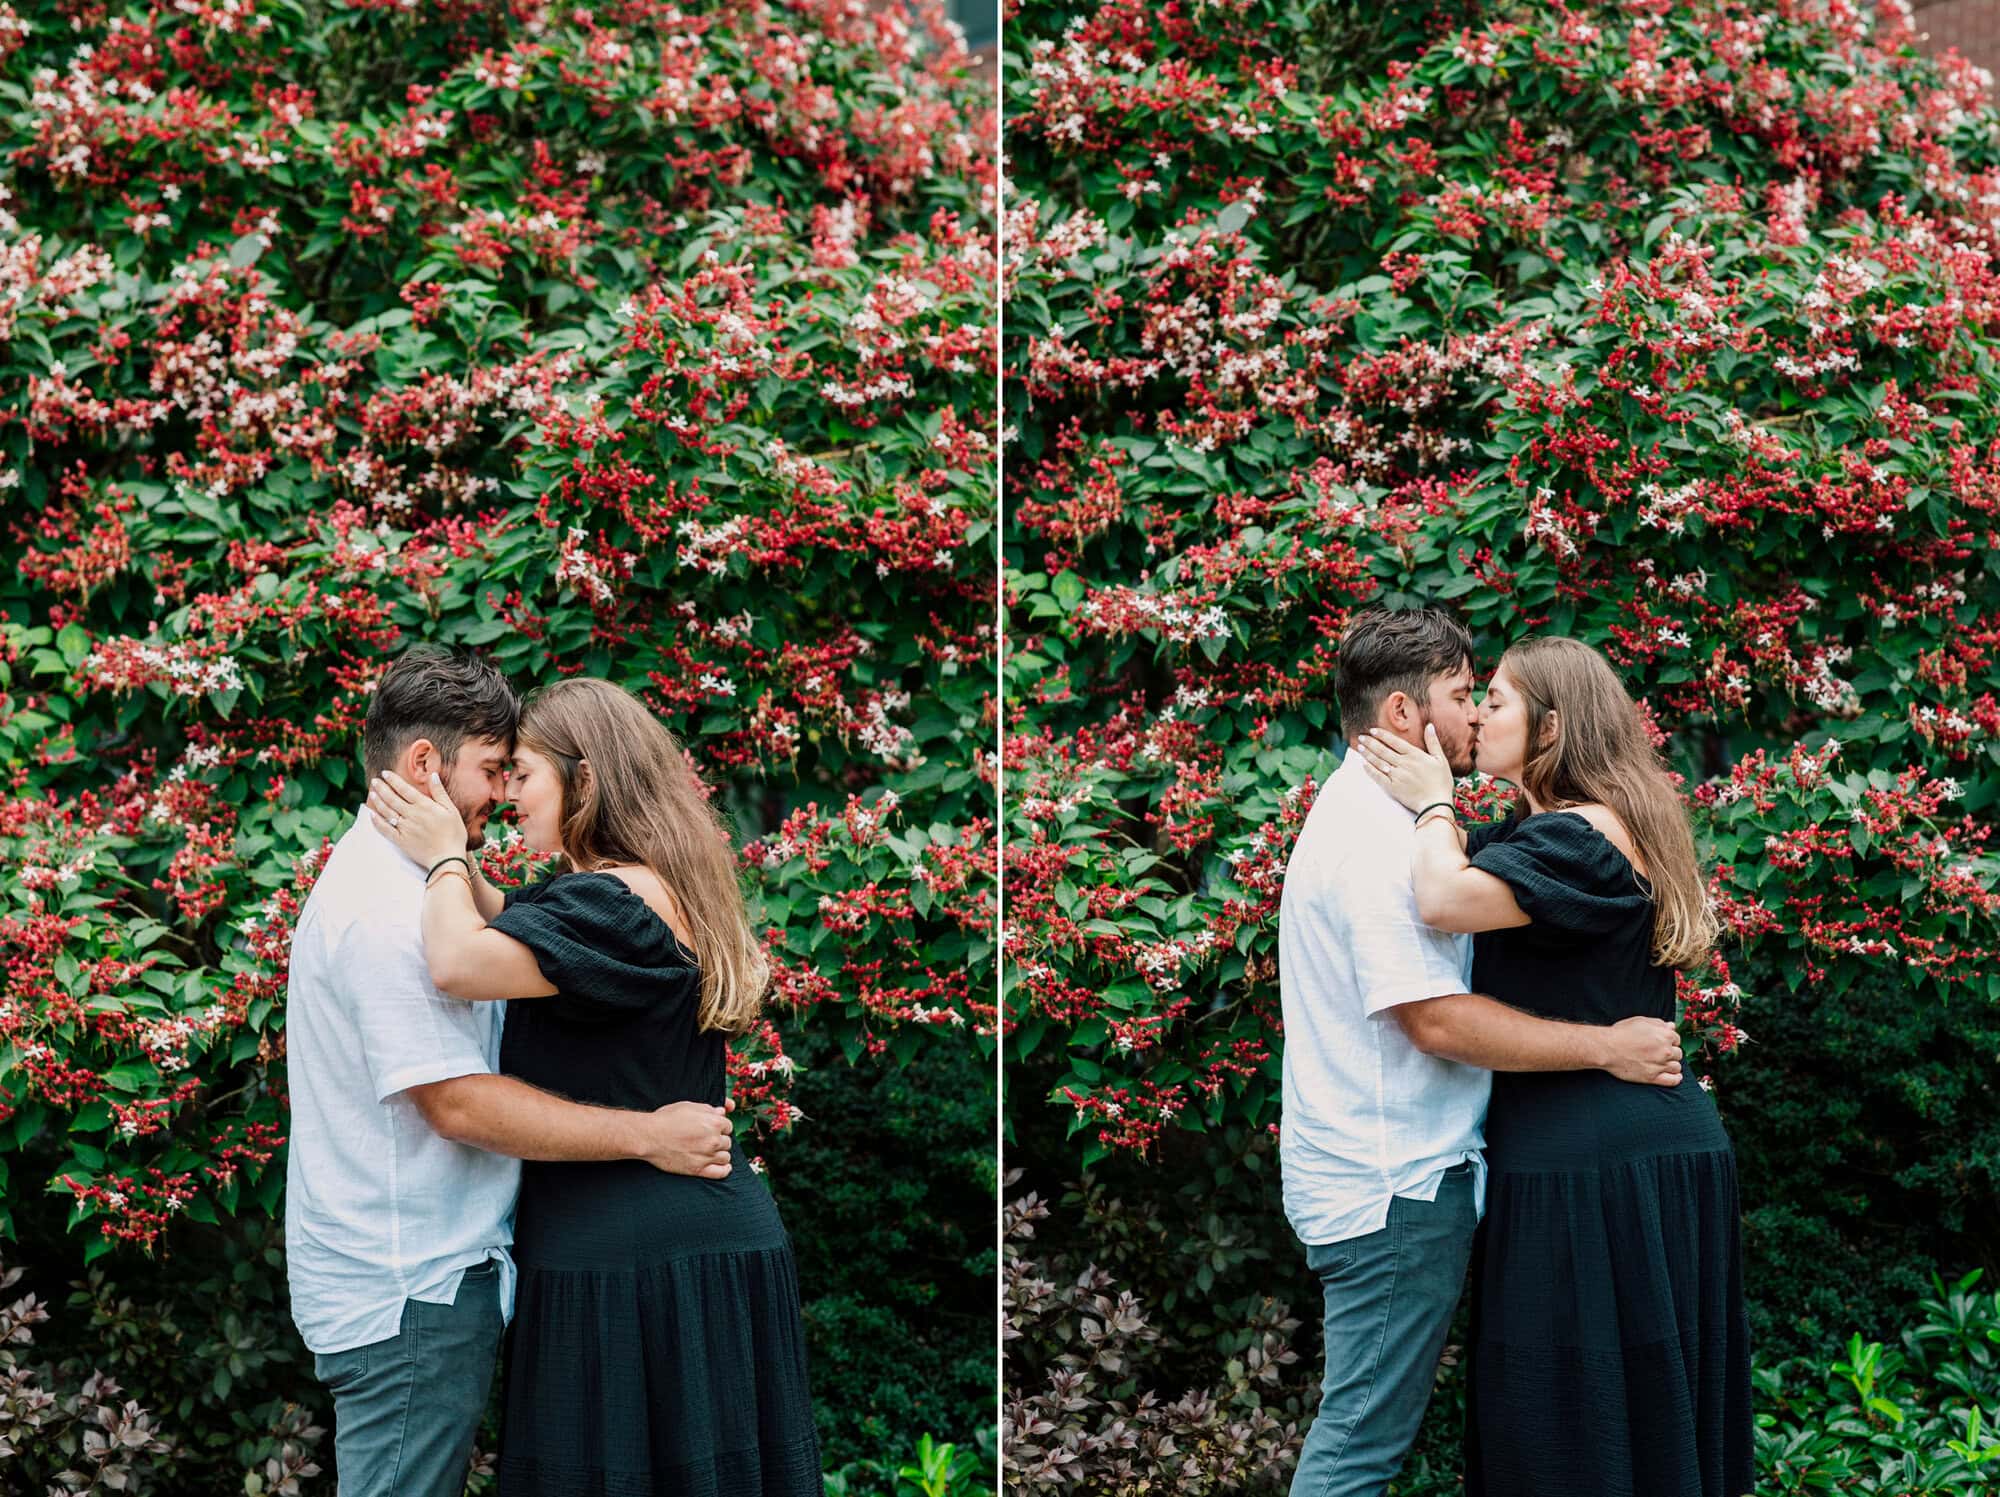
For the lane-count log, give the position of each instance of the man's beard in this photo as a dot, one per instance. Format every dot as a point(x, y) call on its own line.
point(1462, 759)
point(475, 827)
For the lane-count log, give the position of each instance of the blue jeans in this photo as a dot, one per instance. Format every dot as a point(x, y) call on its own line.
point(1389, 1299)
point(405, 1410)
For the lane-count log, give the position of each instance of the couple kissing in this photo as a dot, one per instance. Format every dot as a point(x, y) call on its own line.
point(1481, 1069)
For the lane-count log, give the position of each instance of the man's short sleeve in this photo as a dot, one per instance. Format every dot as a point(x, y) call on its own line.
point(1398, 958)
point(411, 1034)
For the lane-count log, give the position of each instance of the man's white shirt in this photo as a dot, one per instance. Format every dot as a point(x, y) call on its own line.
point(1367, 1115)
point(379, 1208)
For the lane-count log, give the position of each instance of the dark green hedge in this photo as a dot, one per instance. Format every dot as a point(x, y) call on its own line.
point(1863, 1124)
point(888, 1191)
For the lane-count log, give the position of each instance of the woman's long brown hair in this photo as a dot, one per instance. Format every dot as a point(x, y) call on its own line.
point(640, 802)
point(1600, 755)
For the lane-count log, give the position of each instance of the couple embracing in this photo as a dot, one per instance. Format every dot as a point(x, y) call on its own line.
point(1479, 1024)
point(562, 1160)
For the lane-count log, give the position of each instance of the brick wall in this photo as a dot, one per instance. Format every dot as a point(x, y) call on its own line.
point(1972, 26)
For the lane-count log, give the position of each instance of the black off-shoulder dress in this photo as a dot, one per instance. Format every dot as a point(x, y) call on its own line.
point(1611, 1351)
point(656, 1348)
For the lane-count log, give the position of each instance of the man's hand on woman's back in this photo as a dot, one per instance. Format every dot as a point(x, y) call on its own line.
point(691, 1138)
point(1479, 1031)
point(1645, 1051)
point(505, 1115)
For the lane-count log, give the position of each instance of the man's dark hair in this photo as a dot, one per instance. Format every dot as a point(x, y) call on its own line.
point(1384, 651)
point(439, 694)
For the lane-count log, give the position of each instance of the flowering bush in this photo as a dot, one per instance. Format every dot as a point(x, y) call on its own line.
point(1666, 325)
point(610, 339)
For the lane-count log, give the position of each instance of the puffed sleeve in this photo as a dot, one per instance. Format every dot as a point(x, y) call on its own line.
point(1566, 875)
point(598, 943)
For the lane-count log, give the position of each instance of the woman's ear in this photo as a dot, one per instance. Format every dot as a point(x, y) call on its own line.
point(1551, 728)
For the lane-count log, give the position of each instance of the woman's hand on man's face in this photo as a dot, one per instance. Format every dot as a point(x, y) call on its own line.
point(1417, 777)
point(424, 824)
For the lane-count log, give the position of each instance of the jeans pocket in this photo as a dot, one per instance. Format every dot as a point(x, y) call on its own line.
point(1326, 1259)
point(479, 1292)
point(340, 1370)
point(482, 1285)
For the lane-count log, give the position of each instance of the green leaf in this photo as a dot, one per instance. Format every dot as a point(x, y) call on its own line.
point(73, 642)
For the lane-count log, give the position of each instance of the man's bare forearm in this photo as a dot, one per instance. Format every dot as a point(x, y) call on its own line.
point(504, 1115)
point(1479, 1031)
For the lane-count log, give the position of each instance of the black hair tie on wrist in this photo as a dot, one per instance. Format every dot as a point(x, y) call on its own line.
point(1438, 805)
point(454, 858)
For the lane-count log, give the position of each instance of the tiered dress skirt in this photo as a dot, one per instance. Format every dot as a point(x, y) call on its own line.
point(1611, 1354)
point(656, 1326)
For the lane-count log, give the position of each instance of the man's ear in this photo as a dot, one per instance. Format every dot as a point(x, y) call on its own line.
point(422, 760)
point(1398, 712)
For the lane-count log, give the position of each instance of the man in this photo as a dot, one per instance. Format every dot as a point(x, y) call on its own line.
point(405, 1143)
point(1389, 1062)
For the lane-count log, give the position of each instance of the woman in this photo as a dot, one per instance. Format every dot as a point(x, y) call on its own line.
point(1610, 1346)
point(656, 1345)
